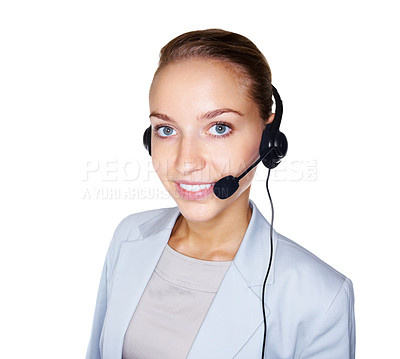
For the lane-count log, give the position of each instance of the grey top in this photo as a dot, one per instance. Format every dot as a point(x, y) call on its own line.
point(172, 307)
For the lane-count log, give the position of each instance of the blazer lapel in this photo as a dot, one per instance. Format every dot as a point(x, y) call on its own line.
point(229, 323)
point(236, 312)
point(136, 262)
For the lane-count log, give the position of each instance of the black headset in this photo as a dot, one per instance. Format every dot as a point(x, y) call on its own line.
point(274, 144)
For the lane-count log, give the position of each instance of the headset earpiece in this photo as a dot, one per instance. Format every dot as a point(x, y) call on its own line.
point(272, 138)
point(147, 139)
point(277, 142)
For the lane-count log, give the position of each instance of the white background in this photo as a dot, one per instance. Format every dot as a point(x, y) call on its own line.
point(74, 79)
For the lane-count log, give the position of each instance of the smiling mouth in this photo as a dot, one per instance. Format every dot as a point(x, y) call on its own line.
point(195, 188)
point(195, 191)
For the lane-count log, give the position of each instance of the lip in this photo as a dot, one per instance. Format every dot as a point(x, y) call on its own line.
point(193, 182)
point(194, 196)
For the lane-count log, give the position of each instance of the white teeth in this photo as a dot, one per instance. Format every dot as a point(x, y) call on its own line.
point(194, 188)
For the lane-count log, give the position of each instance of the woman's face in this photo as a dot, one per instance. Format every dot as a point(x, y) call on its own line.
point(205, 127)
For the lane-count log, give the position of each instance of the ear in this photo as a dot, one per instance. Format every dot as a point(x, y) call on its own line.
point(271, 118)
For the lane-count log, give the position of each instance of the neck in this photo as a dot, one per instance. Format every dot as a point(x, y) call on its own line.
point(217, 239)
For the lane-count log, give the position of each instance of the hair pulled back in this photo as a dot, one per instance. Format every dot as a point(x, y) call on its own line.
point(234, 49)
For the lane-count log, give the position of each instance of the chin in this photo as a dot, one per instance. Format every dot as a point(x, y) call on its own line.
point(196, 211)
point(204, 211)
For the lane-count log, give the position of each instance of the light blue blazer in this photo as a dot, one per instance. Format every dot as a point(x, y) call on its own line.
point(309, 305)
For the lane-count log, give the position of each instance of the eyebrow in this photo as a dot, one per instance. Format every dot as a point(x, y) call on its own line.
point(206, 116)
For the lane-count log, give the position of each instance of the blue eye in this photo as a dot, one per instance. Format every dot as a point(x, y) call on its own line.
point(165, 131)
point(220, 129)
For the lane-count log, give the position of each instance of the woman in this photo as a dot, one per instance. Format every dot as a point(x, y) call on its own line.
point(187, 282)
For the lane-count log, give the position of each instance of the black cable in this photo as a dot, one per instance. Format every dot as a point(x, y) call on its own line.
point(269, 265)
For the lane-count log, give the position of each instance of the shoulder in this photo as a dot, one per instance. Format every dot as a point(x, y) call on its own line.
point(134, 226)
point(133, 221)
point(302, 275)
point(141, 225)
point(292, 262)
point(292, 259)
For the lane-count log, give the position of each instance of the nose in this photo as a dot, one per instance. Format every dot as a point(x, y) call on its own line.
point(190, 156)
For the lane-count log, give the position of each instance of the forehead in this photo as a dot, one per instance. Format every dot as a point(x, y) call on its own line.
point(200, 84)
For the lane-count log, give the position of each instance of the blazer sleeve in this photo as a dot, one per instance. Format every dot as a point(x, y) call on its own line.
point(334, 336)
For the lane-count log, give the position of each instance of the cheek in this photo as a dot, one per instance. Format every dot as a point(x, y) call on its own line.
point(235, 159)
point(160, 162)
point(164, 162)
point(161, 167)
